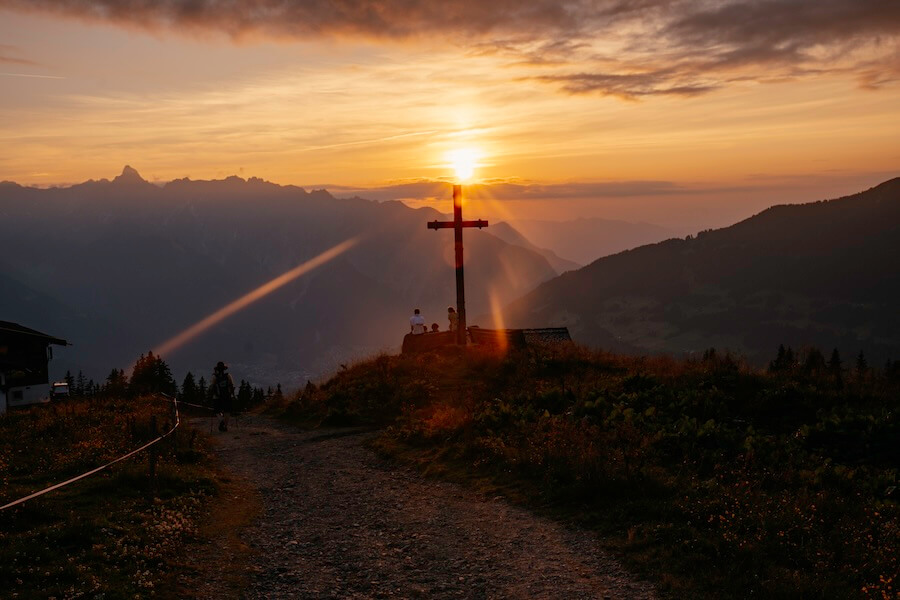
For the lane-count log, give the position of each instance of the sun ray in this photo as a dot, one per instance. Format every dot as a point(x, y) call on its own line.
point(249, 298)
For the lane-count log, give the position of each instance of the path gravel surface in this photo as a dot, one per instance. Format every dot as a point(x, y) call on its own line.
point(337, 521)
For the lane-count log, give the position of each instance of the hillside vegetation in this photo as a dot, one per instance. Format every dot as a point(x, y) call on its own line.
point(116, 534)
point(715, 479)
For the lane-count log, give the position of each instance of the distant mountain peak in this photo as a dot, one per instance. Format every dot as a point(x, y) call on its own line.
point(129, 175)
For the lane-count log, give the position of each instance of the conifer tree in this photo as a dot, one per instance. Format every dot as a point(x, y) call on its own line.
point(116, 383)
point(259, 396)
point(834, 367)
point(784, 361)
point(244, 395)
point(834, 363)
point(79, 384)
point(189, 389)
point(861, 364)
point(789, 359)
point(892, 371)
point(202, 391)
point(814, 363)
point(150, 375)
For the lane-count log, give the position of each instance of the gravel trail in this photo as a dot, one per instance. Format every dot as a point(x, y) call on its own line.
point(339, 522)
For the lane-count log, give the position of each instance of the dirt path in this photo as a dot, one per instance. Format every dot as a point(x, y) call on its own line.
point(338, 522)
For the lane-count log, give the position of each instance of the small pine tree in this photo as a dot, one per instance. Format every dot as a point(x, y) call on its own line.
point(834, 363)
point(189, 389)
point(116, 384)
point(834, 367)
point(163, 380)
point(259, 396)
point(202, 391)
point(814, 364)
point(79, 384)
point(784, 361)
point(244, 396)
point(861, 364)
point(892, 371)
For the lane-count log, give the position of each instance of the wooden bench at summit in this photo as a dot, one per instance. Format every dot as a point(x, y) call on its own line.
point(519, 338)
point(427, 341)
point(501, 338)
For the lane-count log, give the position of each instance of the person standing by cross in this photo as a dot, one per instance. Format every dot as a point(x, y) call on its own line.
point(453, 318)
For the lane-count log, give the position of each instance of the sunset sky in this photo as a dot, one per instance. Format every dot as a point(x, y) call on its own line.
point(678, 113)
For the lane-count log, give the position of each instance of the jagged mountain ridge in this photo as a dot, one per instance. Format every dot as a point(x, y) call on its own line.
point(136, 263)
point(822, 273)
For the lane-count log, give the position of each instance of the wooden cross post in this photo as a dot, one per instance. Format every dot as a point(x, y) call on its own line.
point(457, 225)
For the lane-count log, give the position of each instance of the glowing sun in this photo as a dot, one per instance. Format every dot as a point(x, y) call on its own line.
point(464, 162)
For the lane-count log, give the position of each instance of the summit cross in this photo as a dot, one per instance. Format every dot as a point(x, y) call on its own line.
point(457, 224)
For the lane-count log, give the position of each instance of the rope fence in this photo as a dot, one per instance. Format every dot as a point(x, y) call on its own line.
point(107, 465)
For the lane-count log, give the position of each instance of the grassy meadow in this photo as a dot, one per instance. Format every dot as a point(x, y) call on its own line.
point(711, 478)
point(115, 534)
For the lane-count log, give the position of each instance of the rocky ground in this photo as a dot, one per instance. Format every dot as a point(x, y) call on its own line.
point(336, 521)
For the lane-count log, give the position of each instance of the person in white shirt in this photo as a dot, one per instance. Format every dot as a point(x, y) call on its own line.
point(417, 323)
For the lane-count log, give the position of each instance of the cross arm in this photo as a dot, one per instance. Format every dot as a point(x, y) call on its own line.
point(451, 224)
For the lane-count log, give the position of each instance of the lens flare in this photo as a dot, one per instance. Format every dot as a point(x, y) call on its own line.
point(247, 299)
point(497, 315)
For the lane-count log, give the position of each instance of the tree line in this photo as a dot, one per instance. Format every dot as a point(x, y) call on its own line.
point(151, 374)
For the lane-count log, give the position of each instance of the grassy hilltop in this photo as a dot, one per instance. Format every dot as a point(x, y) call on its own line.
point(715, 479)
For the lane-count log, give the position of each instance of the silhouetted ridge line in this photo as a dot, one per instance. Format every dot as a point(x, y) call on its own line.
point(823, 274)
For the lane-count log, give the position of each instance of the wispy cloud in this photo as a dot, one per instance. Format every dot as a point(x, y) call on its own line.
point(31, 75)
point(630, 49)
point(367, 142)
point(8, 56)
point(512, 191)
point(12, 60)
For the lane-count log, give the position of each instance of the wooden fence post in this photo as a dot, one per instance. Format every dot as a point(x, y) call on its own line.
point(152, 458)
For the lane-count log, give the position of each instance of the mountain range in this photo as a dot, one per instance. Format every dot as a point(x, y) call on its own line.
point(118, 267)
point(824, 274)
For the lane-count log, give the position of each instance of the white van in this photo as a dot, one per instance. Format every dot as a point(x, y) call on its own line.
point(24, 395)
